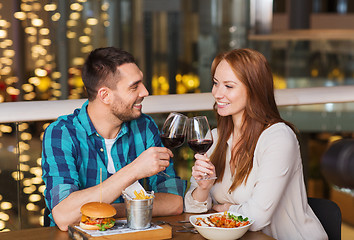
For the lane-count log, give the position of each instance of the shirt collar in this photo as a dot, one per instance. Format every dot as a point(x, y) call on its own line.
point(229, 141)
point(86, 122)
point(123, 130)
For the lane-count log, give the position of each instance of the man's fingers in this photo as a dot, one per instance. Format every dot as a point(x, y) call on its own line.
point(164, 150)
point(164, 155)
point(164, 163)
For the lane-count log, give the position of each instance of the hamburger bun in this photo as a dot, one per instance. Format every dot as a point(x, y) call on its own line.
point(94, 227)
point(89, 226)
point(98, 210)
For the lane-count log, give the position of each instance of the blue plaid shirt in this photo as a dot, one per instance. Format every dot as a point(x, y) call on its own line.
point(73, 153)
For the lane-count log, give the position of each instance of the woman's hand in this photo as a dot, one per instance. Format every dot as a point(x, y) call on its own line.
point(222, 207)
point(203, 168)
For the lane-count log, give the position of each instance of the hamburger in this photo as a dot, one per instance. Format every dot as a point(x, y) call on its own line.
point(97, 216)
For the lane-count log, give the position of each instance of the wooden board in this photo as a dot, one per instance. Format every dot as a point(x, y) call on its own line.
point(163, 233)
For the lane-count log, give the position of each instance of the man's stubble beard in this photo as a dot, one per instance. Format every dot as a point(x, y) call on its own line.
point(125, 115)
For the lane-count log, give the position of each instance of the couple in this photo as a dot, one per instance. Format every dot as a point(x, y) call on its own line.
point(255, 153)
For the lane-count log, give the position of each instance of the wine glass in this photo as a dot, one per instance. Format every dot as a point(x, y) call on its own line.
point(173, 132)
point(199, 137)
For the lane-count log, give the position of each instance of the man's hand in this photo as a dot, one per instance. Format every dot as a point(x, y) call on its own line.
point(152, 161)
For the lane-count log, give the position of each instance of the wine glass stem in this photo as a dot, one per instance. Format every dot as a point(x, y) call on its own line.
point(163, 174)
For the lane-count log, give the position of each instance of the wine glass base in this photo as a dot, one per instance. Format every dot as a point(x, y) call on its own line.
point(206, 178)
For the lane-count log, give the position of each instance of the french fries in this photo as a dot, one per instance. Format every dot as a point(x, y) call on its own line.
point(141, 195)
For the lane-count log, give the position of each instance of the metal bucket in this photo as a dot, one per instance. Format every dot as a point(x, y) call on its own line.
point(139, 212)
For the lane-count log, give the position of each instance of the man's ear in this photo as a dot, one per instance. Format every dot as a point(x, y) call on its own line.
point(104, 95)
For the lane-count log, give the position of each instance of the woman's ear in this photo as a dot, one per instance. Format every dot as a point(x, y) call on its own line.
point(104, 95)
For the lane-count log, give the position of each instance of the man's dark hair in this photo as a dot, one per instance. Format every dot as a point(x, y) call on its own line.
point(100, 66)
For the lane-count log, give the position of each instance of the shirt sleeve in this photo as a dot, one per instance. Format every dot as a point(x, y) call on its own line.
point(159, 183)
point(193, 206)
point(58, 164)
point(278, 158)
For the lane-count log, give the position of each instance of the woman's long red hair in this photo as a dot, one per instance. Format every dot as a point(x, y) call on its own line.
point(261, 111)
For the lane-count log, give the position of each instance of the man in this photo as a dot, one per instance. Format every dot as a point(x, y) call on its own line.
point(109, 134)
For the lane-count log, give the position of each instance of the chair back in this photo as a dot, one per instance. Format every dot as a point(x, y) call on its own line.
point(46, 217)
point(329, 215)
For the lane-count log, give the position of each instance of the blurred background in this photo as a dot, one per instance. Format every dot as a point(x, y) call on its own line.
point(43, 45)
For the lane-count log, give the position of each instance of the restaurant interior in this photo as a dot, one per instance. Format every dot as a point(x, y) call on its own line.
point(43, 45)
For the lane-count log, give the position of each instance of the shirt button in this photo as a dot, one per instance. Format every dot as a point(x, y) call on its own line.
point(97, 135)
point(101, 149)
point(205, 204)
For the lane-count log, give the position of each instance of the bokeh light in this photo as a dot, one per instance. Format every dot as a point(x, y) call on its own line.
point(5, 205)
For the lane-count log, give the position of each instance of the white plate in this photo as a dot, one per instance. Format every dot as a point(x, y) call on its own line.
point(217, 233)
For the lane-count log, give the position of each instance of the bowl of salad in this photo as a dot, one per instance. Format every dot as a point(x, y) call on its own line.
point(222, 225)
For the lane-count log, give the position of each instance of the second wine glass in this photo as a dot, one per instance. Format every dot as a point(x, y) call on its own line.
point(173, 130)
point(199, 137)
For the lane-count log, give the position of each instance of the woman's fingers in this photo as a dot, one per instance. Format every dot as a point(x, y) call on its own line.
point(204, 157)
point(205, 167)
point(202, 174)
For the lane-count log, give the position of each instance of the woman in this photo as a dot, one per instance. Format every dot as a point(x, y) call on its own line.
point(259, 168)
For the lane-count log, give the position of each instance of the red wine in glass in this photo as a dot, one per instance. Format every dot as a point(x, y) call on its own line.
point(199, 137)
point(172, 142)
point(200, 146)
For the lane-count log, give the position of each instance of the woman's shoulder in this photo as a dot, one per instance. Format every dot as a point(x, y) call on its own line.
point(278, 128)
point(278, 132)
point(280, 144)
